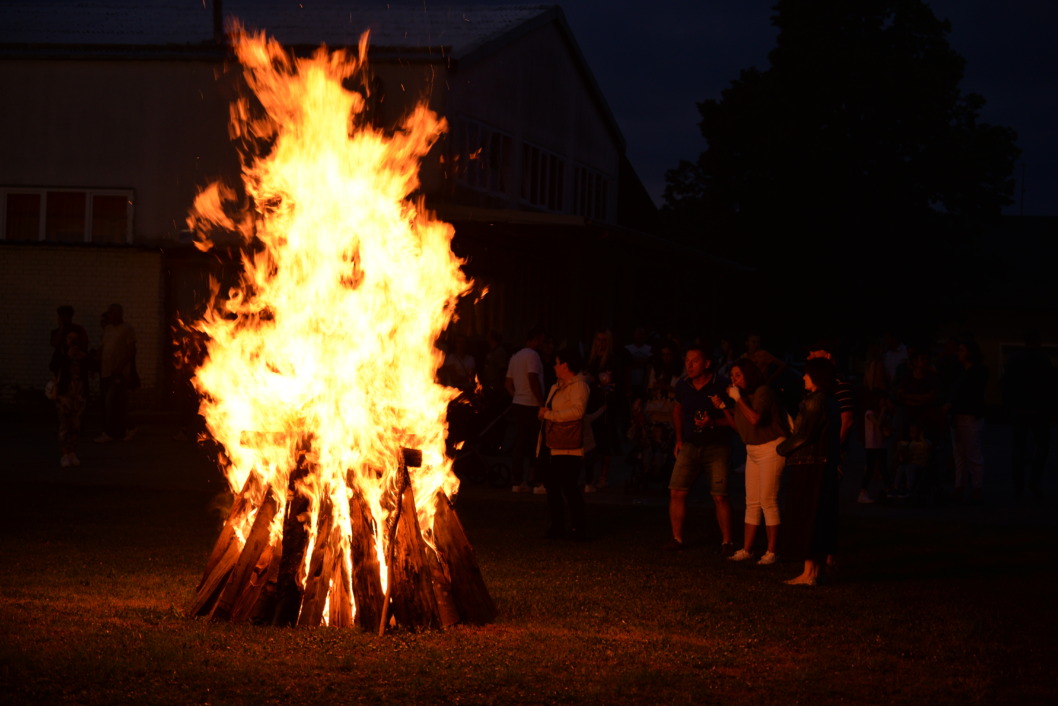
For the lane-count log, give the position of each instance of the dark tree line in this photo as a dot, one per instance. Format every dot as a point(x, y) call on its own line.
point(855, 153)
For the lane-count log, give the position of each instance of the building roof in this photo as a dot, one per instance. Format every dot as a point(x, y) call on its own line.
point(173, 29)
point(458, 30)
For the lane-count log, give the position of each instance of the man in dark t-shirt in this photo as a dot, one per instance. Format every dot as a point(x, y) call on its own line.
point(703, 444)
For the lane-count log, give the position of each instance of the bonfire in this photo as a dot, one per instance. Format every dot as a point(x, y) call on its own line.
point(319, 379)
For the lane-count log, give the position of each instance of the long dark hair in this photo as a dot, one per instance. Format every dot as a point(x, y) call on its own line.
point(750, 372)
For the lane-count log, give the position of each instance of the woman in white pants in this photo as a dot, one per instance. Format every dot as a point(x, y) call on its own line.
point(760, 421)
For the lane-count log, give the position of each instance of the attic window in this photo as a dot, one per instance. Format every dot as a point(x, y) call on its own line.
point(66, 215)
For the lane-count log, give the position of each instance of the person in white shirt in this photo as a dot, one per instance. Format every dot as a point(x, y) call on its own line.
point(525, 385)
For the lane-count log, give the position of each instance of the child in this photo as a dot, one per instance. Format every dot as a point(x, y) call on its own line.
point(913, 459)
point(876, 430)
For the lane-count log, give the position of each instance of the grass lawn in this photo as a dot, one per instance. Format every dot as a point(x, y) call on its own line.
point(953, 607)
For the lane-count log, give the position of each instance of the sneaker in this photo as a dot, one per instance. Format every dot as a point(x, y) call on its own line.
point(673, 545)
point(539, 490)
point(521, 488)
point(864, 498)
point(589, 488)
point(740, 555)
point(104, 438)
point(727, 549)
point(768, 558)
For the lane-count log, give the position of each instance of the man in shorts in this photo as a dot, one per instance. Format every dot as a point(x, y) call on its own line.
point(703, 445)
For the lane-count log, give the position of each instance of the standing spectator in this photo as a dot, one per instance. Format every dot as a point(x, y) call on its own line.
point(639, 353)
point(811, 473)
point(702, 445)
point(761, 422)
point(497, 399)
point(877, 428)
point(874, 369)
point(966, 407)
point(845, 397)
point(69, 370)
point(117, 370)
point(525, 385)
point(602, 406)
point(563, 418)
point(894, 358)
point(459, 369)
point(917, 394)
point(651, 430)
point(1029, 396)
point(948, 370)
point(725, 358)
point(494, 370)
point(59, 341)
point(843, 392)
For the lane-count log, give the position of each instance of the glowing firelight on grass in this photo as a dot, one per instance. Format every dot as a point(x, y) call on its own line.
point(321, 362)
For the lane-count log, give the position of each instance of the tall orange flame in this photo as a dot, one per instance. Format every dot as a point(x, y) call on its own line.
point(326, 347)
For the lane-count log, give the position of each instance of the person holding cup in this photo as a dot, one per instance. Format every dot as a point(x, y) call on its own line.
point(762, 424)
point(702, 446)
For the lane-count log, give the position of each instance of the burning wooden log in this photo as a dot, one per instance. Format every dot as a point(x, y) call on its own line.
point(457, 566)
point(368, 593)
point(228, 547)
point(432, 577)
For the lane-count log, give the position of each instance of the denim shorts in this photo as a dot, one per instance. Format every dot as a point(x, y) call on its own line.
point(694, 459)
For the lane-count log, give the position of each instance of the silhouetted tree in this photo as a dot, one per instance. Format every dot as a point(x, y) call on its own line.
point(857, 132)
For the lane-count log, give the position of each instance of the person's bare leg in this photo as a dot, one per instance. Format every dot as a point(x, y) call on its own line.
point(723, 517)
point(773, 536)
point(604, 473)
point(748, 535)
point(808, 576)
point(677, 512)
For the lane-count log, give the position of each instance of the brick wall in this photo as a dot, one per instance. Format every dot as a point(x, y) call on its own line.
point(38, 279)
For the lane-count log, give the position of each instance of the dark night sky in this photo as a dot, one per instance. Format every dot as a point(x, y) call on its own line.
point(655, 60)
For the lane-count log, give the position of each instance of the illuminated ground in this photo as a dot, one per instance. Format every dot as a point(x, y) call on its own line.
point(947, 603)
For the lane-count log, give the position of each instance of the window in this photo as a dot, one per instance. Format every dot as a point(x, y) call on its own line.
point(543, 178)
point(589, 193)
point(22, 217)
point(481, 157)
point(66, 215)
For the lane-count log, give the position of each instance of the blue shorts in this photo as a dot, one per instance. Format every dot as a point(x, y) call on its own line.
point(694, 459)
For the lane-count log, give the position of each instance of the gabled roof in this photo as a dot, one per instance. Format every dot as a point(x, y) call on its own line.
point(170, 29)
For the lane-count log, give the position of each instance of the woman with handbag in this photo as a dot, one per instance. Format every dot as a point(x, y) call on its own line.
point(563, 435)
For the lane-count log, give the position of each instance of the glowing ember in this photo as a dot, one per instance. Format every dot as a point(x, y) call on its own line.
point(321, 363)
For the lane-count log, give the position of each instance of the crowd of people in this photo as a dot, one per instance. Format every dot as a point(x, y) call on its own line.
point(677, 409)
